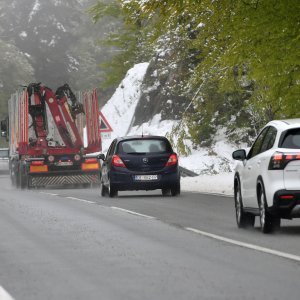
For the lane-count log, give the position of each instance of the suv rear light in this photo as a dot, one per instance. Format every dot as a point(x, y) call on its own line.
point(118, 162)
point(90, 164)
point(173, 160)
point(279, 160)
point(286, 197)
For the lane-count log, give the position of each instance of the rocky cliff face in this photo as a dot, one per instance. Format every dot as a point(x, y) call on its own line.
point(164, 89)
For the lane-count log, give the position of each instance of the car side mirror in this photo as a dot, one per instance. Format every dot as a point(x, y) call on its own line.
point(239, 154)
point(101, 156)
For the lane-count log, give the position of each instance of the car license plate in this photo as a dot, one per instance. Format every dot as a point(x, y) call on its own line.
point(65, 163)
point(145, 177)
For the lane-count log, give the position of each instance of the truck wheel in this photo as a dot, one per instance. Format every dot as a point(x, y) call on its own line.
point(23, 178)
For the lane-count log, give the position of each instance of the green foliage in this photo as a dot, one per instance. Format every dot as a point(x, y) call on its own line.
point(245, 57)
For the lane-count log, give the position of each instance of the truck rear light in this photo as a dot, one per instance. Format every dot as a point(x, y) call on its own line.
point(279, 160)
point(118, 162)
point(37, 163)
point(38, 167)
point(173, 160)
point(77, 157)
point(51, 158)
point(90, 164)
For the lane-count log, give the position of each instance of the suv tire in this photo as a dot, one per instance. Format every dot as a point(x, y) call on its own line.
point(243, 219)
point(268, 222)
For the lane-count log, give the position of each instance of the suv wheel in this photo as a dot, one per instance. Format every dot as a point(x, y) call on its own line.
point(267, 222)
point(243, 219)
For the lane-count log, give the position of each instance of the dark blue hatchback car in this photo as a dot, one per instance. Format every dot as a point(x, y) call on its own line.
point(140, 163)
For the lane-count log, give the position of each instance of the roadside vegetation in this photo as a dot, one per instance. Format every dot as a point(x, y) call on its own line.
point(232, 63)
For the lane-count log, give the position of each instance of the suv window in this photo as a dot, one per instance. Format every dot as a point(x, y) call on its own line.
point(269, 139)
point(145, 146)
point(257, 144)
point(291, 139)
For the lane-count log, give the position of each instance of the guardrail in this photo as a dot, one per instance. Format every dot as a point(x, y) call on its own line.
point(187, 173)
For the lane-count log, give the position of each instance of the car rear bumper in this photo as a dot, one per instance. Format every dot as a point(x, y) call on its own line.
point(286, 204)
point(125, 181)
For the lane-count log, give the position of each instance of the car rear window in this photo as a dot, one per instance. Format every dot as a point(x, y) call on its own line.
point(291, 139)
point(145, 146)
point(3, 153)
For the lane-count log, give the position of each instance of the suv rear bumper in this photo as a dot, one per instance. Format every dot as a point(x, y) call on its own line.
point(286, 204)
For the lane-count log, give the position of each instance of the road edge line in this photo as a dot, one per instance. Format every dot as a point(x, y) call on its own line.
point(4, 295)
point(132, 212)
point(245, 245)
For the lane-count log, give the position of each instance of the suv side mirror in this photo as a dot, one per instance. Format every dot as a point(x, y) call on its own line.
point(101, 156)
point(239, 154)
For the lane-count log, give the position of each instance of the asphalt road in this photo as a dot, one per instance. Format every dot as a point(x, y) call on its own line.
point(74, 244)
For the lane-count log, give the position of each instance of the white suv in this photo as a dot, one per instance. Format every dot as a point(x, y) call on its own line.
point(267, 180)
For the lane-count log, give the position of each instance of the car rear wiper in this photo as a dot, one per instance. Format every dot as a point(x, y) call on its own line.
point(138, 153)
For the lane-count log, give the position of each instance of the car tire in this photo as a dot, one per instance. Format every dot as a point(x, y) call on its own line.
point(165, 192)
point(243, 219)
point(104, 190)
point(112, 191)
point(268, 222)
point(175, 190)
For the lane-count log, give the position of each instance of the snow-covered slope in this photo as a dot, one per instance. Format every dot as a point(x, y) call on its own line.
point(214, 165)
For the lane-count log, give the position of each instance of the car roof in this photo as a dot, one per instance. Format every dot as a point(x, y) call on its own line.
point(124, 138)
point(285, 124)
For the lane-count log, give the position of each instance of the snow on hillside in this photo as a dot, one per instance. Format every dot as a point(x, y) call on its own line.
point(214, 165)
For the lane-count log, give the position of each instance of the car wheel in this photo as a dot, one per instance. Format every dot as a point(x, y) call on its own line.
point(104, 190)
point(267, 222)
point(112, 191)
point(243, 219)
point(175, 190)
point(165, 192)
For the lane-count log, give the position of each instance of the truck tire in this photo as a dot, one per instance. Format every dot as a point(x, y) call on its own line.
point(23, 178)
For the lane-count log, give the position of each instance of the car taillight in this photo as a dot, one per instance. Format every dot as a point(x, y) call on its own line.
point(279, 160)
point(90, 164)
point(118, 162)
point(173, 160)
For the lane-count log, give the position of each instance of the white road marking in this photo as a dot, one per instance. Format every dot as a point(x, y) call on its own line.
point(81, 200)
point(246, 245)
point(4, 295)
point(51, 194)
point(132, 212)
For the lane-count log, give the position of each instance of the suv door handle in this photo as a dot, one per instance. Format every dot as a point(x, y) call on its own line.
point(258, 163)
point(249, 167)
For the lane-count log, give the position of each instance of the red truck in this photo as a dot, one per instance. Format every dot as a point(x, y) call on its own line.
point(52, 137)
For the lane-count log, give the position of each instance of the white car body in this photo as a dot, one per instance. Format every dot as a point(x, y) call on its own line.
point(280, 177)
